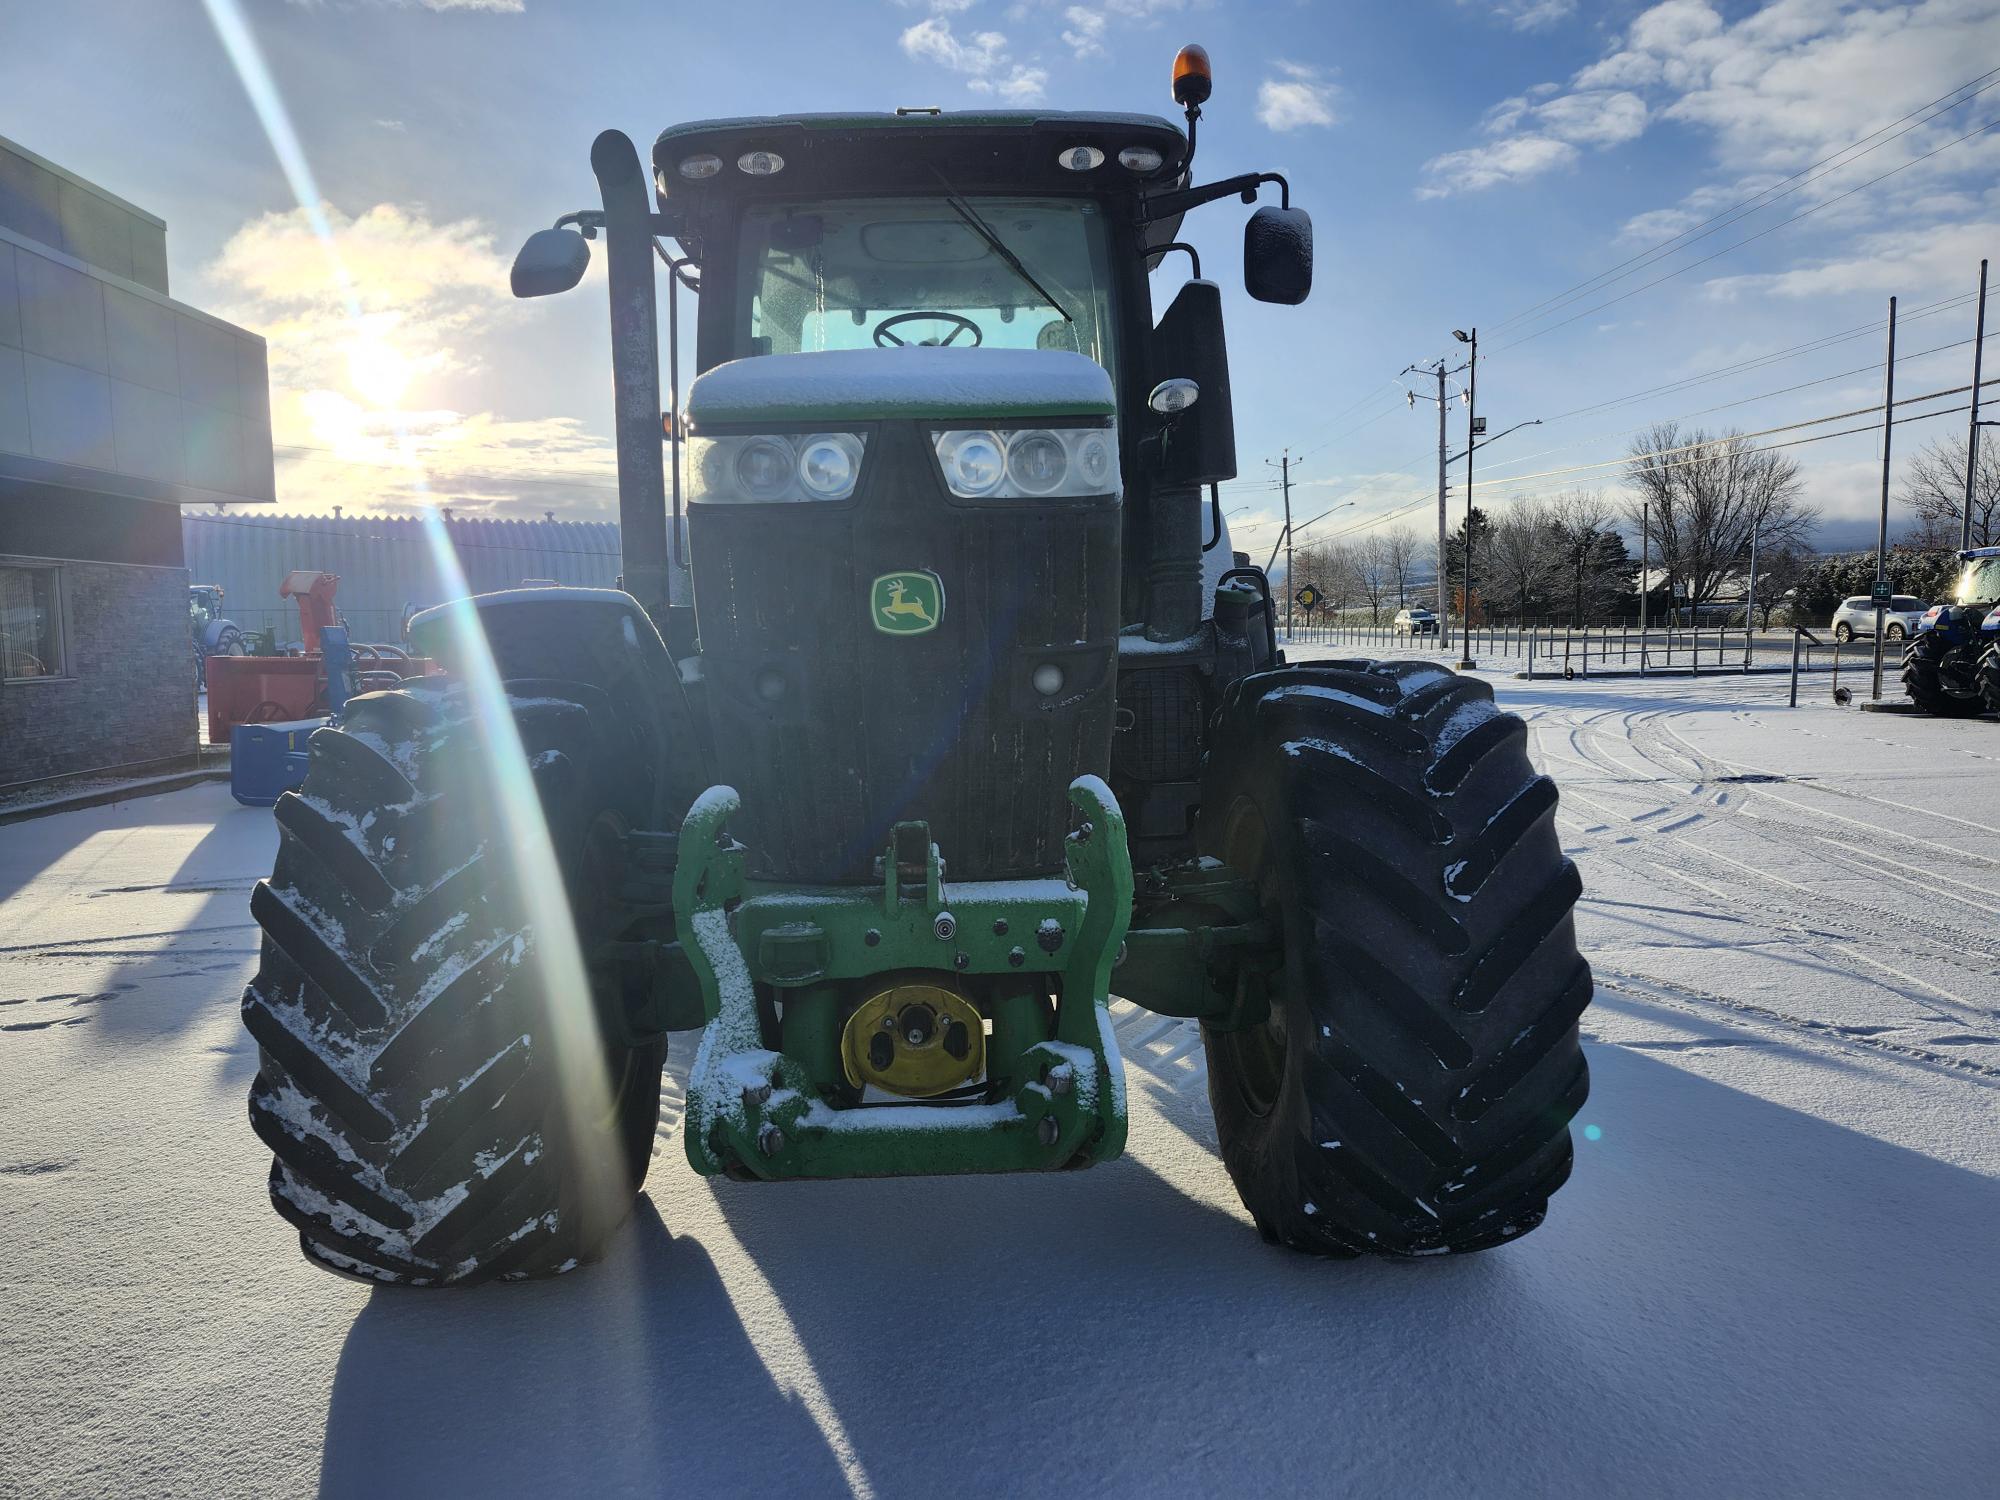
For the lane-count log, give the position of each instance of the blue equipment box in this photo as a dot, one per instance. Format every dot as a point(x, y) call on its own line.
point(267, 760)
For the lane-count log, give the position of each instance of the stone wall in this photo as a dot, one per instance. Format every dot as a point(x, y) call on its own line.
point(125, 697)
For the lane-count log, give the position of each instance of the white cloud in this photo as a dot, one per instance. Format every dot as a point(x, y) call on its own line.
point(1022, 85)
point(938, 7)
point(498, 7)
point(1085, 32)
point(1298, 99)
point(933, 39)
point(1515, 159)
point(1897, 261)
point(1527, 15)
point(1787, 84)
point(369, 341)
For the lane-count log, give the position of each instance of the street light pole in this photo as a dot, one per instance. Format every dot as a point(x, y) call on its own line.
point(1882, 531)
point(1972, 432)
point(1465, 661)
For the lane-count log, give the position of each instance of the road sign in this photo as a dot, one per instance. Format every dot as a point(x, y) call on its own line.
point(1882, 592)
point(1307, 597)
point(1479, 427)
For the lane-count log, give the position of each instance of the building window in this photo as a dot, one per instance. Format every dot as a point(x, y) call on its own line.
point(30, 623)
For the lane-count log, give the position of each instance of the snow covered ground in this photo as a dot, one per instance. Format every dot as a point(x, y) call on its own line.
point(1774, 1270)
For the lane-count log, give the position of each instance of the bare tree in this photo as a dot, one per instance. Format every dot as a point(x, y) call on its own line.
point(1403, 548)
point(1934, 490)
point(1593, 559)
point(1378, 573)
point(1520, 561)
point(1704, 496)
point(1333, 570)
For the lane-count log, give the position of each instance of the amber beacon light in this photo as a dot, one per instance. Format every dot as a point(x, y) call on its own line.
point(1193, 78)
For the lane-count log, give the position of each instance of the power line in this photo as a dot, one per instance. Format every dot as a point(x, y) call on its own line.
point(1799, 179)
point(1747, 239)
point(1369, 523)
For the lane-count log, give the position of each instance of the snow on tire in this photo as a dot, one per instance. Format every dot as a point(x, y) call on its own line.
point(1412, 1093)
point(407, 1085)
point(1923, 680)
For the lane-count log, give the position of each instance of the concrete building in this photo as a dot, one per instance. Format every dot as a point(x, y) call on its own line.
point(117, 406)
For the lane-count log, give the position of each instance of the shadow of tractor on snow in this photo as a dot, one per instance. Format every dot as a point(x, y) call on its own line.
point(1730, 1295)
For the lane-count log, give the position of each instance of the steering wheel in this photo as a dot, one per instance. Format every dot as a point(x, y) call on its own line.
point(884, 339)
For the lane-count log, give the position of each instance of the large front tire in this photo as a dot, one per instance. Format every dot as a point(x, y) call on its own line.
point(1412, 1090)
point(439, 1111)
point(1923, 680)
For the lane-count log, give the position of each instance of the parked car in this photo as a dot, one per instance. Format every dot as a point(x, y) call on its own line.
point(1856, 616)
point(1415, 622)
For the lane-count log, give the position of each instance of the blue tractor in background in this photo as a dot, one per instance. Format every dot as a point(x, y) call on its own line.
point(210, 633)
point(1952, 665)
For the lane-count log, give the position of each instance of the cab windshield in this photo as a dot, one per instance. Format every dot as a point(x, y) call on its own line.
point(864, 273)
point(1978, 582)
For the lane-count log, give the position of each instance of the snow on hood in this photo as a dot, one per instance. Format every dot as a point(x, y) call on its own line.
point(863, 384)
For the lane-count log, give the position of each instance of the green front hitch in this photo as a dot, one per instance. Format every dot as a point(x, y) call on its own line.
point(782, 968)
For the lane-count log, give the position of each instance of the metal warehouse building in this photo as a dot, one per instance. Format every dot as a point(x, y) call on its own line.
point(386, 565)
point(118, 405)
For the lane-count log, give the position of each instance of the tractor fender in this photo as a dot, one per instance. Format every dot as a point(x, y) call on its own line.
point(594, 638)
point(212, 635)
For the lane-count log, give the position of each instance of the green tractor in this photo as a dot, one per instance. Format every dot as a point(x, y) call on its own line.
point(932, 712)
point(1951, 667)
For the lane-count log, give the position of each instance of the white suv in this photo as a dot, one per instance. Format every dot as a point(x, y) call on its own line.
point(1856, 616)
point(1415, 622)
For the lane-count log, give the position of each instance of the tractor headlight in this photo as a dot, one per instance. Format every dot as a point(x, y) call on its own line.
point(773, 468)
point(764, 468)
point(1034, 463)
point(828, 464)
point(975, 463)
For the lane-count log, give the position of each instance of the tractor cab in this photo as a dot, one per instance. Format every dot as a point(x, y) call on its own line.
point(931, 338)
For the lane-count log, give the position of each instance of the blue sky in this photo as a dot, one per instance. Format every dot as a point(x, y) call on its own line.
point(1462, 161)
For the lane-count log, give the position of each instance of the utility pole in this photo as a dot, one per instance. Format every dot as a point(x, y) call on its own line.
point(1972, 432)
point(1465, 661)
point(1645, 546)
point(1438, 370)
point(1291, 583)
point(1750, 595)
point(1882, 529)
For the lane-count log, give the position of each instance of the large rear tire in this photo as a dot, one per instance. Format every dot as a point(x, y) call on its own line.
point(1989, 679)
point(1412, 1090)
point(433, 1117)
point(1923, 680)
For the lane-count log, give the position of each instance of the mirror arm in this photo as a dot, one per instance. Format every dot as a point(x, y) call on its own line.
point(1159, 253)
point(1166, 205)
point(588, 221)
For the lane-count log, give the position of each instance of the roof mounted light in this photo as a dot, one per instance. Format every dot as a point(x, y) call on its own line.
point(695, 168)
point(1081, 158)
point(1171, 397)
point(1193, 77)
point(760, 163)
point(1140, 159)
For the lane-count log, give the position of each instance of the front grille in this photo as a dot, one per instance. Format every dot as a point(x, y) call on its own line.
point(1161, 714)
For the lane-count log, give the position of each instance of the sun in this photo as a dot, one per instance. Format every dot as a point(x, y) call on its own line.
point(378, 371)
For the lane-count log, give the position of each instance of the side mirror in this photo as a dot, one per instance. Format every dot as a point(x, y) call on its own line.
point(1278, 255)
point(553, 260)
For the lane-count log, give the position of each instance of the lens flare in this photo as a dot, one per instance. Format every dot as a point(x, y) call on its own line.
point(530, 870)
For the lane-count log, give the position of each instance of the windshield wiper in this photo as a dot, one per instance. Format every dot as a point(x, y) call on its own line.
point(980, 227)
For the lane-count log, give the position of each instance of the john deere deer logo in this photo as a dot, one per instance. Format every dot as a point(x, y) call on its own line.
point(906, 603)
